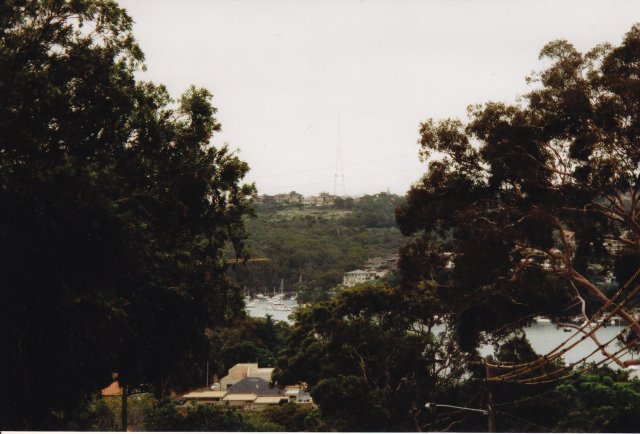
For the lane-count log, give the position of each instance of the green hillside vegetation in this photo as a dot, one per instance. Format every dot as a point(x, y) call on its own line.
point(310, 248)
point(291, 212)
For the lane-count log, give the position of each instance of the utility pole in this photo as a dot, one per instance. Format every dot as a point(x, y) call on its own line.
point(491, 412)
point(124, 407)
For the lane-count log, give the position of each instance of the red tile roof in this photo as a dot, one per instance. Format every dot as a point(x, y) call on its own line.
point(113, 389)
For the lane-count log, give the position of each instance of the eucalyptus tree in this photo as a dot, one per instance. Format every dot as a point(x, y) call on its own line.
point(529, 209)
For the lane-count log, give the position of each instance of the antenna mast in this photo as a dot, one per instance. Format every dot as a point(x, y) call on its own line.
point(339, 169)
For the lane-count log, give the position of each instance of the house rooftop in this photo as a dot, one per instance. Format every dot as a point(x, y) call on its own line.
point(241, 371)
point(207, 394)
point(270, 399)
point(240, 397)
point(112, 389)
point(256, 385)
point(259, 371)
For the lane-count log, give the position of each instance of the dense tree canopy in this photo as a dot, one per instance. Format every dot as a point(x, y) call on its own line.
point(115, 211)
point(374, 211)
point(530, 209)
point(371, 358)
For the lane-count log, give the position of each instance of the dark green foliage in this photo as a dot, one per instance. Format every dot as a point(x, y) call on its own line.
point(290, 417)
point(601, 402)
point(197, 417)
point(246, 352)
point(528, 208)
point(245, 340)
point(350, 404)
point(115, 212)
point(371, 358)
point(205, 417)
point(105, 413)
point(374, 211)
point(255, 422)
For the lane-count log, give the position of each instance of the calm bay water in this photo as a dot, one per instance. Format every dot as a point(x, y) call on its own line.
point(263, 308)
point(543, 336)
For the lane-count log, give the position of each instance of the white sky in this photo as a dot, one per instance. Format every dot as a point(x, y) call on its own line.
point(281, 71)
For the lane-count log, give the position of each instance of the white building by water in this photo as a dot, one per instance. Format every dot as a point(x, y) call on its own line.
point(356, 277)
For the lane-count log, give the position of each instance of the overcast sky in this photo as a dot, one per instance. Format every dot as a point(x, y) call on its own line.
point(283, 71)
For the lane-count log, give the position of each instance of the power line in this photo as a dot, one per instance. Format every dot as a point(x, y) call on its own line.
point(318, 169)
point(545, 429)
point(606, 360)
point(371, 175)
point(570, 366)
point(528, 398)
point(525, 368)
point(585, 325)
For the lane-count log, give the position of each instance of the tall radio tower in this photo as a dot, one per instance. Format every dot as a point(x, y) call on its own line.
point(339, 176)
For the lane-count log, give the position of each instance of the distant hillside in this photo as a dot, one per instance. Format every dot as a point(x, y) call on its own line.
point(310, 247)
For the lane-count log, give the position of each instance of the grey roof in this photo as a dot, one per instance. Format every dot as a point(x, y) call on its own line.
point(206, 394)
point(254, 385)
point(356, 272)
